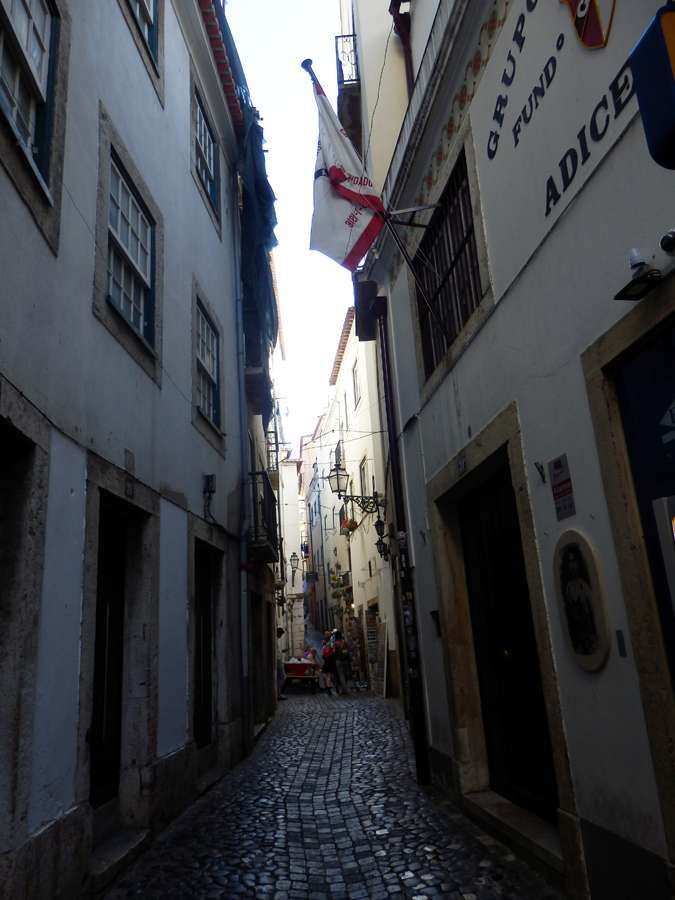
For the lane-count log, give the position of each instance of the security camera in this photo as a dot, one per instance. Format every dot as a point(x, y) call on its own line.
point(667, 242)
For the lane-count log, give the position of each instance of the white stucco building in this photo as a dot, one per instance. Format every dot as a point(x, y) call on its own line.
point(533, 415)
point(358, 580)
point(137, 597)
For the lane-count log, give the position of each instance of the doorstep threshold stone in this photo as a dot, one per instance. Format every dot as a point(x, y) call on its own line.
point(521, 827)
point(114, 856)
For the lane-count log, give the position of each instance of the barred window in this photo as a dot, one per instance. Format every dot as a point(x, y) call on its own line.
point(129, 256)
point(207, 368)
point(447, 264)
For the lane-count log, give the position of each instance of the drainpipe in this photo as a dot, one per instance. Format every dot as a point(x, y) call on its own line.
point(418, 725)
point(245, 478)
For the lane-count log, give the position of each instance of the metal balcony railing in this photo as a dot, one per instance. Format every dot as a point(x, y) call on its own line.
point(347, 60)
point(263, 534)
point(272, 449)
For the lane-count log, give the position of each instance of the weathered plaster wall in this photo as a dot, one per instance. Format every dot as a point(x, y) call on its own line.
point(54, 756)
point(529, 350)
point(173, 629)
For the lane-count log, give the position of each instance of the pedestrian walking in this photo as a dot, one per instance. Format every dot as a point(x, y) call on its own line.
point(341, 655)
point(328, 657)
point(281, 672)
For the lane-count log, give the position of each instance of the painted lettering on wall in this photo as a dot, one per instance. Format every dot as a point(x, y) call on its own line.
point(620, 92)
point(508, 77)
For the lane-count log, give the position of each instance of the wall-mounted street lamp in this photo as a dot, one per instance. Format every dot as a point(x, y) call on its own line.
point(382, 547)
point(338, 478)
point(295, 562)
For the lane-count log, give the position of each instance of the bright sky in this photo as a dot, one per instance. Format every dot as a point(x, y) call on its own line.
point(273, 38)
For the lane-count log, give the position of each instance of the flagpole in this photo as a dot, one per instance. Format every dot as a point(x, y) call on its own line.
point(306, 64)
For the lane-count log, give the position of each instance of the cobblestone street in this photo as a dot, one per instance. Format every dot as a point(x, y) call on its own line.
point(327, 808)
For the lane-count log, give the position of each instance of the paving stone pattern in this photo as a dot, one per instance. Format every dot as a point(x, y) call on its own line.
point(327, 808)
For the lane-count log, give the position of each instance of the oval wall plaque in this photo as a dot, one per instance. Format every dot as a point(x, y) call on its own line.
point(581, 601)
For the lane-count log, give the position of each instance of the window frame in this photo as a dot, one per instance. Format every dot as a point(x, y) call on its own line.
point(210, 427)
point(363, 476)
point(212, 379)
point(145, 346)
point(211, 189)
point(212, 197)
point(36, 169)
point(151, 46)
point(116, 245)
point(356, 383)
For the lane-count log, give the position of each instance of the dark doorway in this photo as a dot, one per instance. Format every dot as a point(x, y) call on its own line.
point(646, 389)
point(106, 721)
point(519, 752)
point(203, 708)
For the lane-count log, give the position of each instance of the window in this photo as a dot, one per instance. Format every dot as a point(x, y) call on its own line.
point(24, 68)
point(207, 368)
point(447, 264)
point(346, 417)
point(363, 477)
point(128, 282)
point(129, 256)
point(357, 386)
point(206, 154)
point(145, 20)
point(144, 10)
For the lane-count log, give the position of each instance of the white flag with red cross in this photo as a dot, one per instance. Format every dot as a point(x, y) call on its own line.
point(347, 210)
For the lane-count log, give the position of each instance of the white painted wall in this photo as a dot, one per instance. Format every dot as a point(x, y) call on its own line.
point(384, 95)
point(529, 351)
point(117, 406)
point(58, 670)
point(172, 720)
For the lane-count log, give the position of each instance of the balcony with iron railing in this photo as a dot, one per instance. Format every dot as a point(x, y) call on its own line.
point(349, 88)
point(272, 440)
point(347, 59)
point(263, 538)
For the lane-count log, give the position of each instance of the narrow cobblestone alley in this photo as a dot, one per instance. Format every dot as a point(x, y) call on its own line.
point(327, 808)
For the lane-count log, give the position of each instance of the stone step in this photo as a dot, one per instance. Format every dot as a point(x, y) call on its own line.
point(114, 856)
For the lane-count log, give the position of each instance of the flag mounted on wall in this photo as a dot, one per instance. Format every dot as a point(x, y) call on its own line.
point(347, 210)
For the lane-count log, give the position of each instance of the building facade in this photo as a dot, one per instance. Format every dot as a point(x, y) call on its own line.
point(533, 419)
point(356, 578)
point(137, 599)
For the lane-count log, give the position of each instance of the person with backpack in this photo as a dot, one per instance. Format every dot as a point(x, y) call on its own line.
point(341, 653)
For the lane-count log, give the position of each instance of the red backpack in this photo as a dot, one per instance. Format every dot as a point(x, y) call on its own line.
point(327, 652)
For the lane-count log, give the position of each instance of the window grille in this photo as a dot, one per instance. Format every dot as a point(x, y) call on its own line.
point(207, 367)
point(447, 264)
point(205, 154)
point(129, 254)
